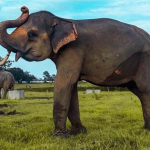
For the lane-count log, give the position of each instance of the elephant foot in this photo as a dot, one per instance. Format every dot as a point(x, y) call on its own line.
point(77, 129)
point(62, 133)
point(147, 124)
point(146, 127)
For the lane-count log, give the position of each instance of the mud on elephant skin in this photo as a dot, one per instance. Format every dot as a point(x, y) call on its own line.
point(103, 51)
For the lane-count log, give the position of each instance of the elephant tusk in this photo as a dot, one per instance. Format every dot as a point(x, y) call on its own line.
point(18, 55)
point(5, 59)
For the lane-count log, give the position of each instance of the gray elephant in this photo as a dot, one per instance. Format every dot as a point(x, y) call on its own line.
point(104, 52)
point(7, 82)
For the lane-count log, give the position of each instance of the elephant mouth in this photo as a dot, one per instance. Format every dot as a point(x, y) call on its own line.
point(29, 55)
point(20, 54)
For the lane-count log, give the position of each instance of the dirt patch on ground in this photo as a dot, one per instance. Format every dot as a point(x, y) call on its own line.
point(3, 105)
point(8, 113)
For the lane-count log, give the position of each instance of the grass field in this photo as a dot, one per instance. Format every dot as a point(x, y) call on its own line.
point(113, 119)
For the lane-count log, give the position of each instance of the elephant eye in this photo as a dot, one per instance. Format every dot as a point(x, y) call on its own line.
point(32, 35)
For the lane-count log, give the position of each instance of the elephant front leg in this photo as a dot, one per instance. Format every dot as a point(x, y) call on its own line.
point(74, 114)
point(62, 96)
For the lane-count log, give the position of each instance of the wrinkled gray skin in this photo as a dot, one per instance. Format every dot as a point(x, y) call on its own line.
point(7, 82)
point(104, 52)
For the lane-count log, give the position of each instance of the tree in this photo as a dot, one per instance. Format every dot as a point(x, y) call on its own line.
point(46, 76)
point(20, 75)
point(7, 64)
point(53, 77)
point(17, 73)
point(28, 77)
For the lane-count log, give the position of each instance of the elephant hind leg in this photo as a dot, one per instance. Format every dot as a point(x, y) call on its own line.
point(145, 102)
point(140, 86)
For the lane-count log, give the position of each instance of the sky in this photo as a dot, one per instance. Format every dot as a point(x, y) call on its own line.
point(136, 12)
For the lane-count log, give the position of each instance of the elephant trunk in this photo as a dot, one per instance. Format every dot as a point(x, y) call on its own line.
point(5, 39)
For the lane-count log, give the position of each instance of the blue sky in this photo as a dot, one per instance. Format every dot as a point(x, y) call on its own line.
point(135, 12)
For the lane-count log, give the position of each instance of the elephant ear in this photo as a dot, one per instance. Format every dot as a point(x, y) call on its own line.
point(64, 31)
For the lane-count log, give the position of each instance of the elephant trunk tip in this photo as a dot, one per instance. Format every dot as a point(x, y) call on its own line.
point(24, 9)
point(5, 39)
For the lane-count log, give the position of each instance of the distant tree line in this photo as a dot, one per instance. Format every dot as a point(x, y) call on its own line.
point(21, 75)
point(48, 77)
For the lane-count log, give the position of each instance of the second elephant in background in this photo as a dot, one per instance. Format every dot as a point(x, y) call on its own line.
point(7, 82)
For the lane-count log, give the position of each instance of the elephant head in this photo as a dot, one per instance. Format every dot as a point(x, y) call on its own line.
point(37, 35)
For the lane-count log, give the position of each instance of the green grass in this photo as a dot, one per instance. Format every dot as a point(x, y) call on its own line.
point(113, 119)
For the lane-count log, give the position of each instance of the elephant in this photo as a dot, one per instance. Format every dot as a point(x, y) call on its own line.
point(102, 51)
point(7, 82)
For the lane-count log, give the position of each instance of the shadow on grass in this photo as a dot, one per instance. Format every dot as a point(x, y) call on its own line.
point(41, 98)
point(3, 105)
point(14, 112)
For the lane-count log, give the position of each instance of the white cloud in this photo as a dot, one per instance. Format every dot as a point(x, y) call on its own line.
point(1, 1)
point(108, 11)
point(122, 8)
point(127, 2)
point(118, 3)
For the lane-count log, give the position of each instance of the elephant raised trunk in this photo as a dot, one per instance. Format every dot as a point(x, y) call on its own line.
point(5, 39)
